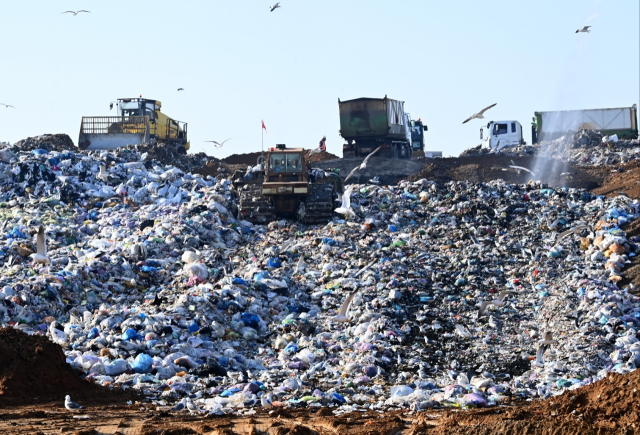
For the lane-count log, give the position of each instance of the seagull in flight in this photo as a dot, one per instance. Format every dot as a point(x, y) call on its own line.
point(41, 253)
point(180, 89)
point(585, 29)
point(274, 7)
point(361, 165)
point(499, 302)
point(76, 12)
point(217, 144)
point(342, 317)
point(479, 115)
point(544, 345)
point(7, 105)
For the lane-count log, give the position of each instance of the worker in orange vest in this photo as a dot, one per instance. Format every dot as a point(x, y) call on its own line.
point(323, 143)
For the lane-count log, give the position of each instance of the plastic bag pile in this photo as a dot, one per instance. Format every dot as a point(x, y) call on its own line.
point(462, 294)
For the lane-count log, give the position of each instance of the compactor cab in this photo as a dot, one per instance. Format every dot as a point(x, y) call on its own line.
point(139, 121)
point(286, 190)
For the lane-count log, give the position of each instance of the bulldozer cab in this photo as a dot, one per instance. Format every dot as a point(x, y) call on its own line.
point(285, 165)
point(138, 107)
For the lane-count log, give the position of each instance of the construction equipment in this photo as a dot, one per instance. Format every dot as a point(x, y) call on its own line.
point(285, 187)
point(140, 121)
point(369, 123)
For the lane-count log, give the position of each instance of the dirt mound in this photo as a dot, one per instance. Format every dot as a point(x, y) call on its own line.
point(483, 168)
point(243, 159)
point(624, 180)
point(34, 370)
point(251, 158)
point(322, 156)
point(608, 406)
point(50, 142)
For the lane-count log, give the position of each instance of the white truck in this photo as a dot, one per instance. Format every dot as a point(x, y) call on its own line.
point(501, 134)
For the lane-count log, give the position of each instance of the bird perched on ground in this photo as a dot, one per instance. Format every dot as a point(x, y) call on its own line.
point(342, 316)
point(585, 29)
point(76, 12)
point(345, 208)
point(41, 244)
point(103, 174)
point(479, 115)
point(499, 302)
point(266, 400)
point(71, 406)
point(544, 345)
point(180, 89)
point(193, 409)
point(217, 144)
point(361, 165)
point(180, 406)
point(7, 105)
point(274, 7)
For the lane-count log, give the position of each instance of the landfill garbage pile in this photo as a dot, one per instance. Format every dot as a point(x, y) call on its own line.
point(148, 282)
point(50, 142)
point(584, 147)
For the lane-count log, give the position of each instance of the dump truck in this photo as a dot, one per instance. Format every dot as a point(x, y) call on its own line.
point(622, 121)
point(285, 187)
point(369, 123)
point(139, 121)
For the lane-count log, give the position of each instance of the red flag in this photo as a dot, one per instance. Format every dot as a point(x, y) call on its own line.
point(264, 126)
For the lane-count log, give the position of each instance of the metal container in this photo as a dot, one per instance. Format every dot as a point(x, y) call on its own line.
point(622, 121)
point(372, 118)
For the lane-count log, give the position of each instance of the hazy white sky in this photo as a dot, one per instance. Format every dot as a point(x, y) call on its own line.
point(240, 63)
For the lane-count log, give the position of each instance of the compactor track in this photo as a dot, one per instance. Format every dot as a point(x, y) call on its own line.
point(254, 206)
point(317, 208)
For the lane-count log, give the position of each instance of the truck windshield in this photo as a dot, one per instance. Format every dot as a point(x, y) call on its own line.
point(285, 162)
point(500, 129)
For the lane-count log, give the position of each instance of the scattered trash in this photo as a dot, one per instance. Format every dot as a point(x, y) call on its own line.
point(160, 289)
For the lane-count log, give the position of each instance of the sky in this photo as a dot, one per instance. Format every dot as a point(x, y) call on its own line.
point(240, 64)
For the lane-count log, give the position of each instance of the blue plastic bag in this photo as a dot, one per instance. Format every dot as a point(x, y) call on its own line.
point(142, 363)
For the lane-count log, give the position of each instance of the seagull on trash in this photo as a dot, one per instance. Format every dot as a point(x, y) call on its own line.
point(345, 208)
point(217, 144)
point(342, 316)
point(103, 174)
point(71, 406)
point(499, 302)
point(75, 12)
point(544, 345)
point(362, 165)
point(480, 114)
point(180, 406)
point(585, 29)
point(41, 244)
point(193, 409)
point(7, 105)
point(180, 89)
point(274, 7)
point(564, 234)
point(266, 401)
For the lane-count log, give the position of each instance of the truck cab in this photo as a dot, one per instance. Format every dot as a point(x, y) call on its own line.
point(417, 135)
point(503, 134)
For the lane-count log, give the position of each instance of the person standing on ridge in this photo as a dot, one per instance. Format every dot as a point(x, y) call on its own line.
point(323, 143)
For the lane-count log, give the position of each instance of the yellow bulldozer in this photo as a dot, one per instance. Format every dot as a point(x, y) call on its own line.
point(139, 121)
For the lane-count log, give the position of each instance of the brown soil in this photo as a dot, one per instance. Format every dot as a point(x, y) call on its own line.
point(485, 168)
point(50, 142)
point(626, 181)
point(34, 370)
point(609, 406)
point(251, 158)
